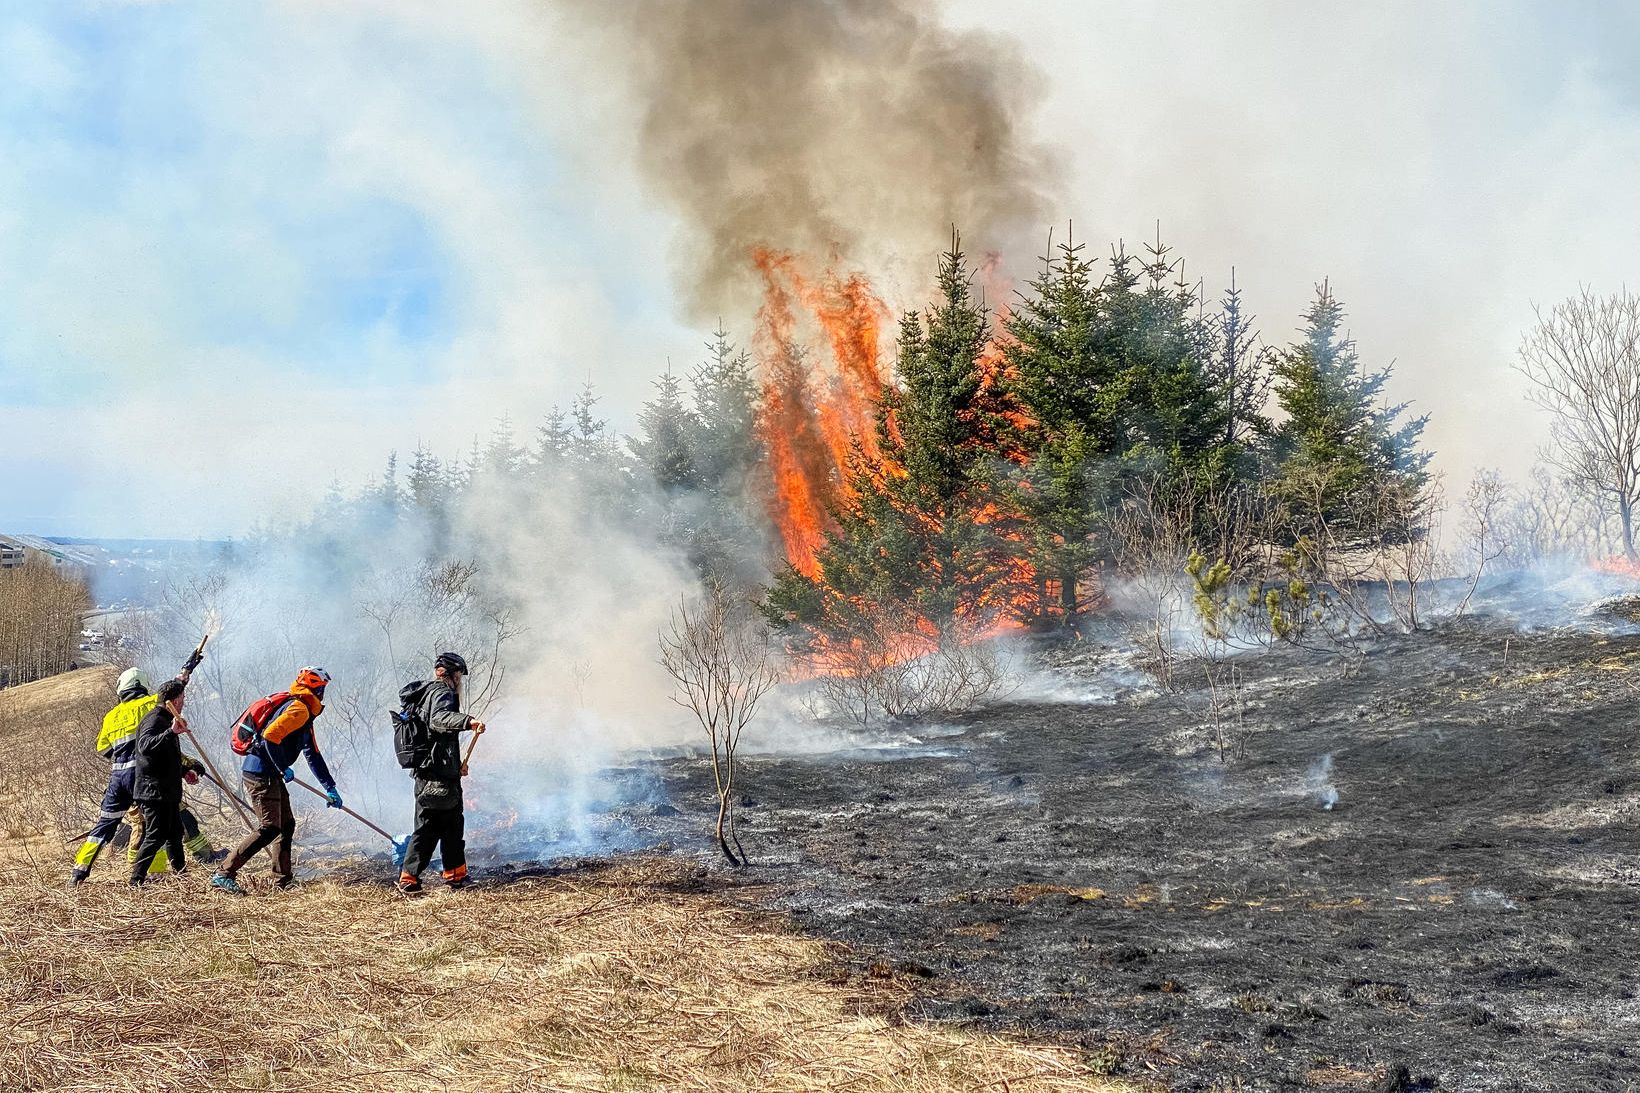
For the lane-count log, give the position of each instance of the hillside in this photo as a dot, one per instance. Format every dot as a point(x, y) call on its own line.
point(624, 974)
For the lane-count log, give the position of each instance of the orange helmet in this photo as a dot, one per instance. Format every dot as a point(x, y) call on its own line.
point(312, 679)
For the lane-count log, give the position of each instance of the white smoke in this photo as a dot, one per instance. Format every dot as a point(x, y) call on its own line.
point(1319, 778)
point(555, 608)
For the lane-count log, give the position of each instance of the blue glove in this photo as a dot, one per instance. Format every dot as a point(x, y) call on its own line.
point(333, 799)
point(290, 774)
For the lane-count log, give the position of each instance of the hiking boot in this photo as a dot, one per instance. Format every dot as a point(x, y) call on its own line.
point(211, 857)
point(227, 884)
point(462, 885)
point(408, 886)
point(77, 878)
point(285, 884)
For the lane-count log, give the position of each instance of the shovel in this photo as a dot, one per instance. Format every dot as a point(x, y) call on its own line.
point(401, 847)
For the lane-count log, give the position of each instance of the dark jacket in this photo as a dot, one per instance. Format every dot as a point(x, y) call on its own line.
point(435, 702)
point(160, 762)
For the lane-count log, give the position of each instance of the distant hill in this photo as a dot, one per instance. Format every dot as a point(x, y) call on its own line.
point(123, 572)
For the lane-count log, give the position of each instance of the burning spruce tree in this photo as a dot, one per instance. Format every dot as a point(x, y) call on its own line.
point(916, 547)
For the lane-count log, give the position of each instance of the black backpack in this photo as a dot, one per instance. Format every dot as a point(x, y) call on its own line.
point(412, 740)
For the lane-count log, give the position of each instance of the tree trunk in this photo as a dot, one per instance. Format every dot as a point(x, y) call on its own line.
point(1067, 596)
point(723, 842)
point(1625, 507)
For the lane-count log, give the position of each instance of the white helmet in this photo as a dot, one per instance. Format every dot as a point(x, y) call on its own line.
point(134, 677)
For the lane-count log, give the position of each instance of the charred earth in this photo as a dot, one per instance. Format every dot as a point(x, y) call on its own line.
point(1422, 873)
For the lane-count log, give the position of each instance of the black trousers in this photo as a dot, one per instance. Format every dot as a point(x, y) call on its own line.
point(161, 827)
point(440, 823)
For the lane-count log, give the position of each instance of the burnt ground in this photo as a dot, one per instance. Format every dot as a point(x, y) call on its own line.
point(1469, 910)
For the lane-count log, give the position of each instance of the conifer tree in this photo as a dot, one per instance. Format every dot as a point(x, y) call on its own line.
point(1177, 415)
point(426, 480)
point(911, 536)
point(503, 458)
point(667, 425)
point(1065, 386)
point(1240, 366)
point(725, 443)
point(1339, 448)
point(385, 498)
point(552, 443)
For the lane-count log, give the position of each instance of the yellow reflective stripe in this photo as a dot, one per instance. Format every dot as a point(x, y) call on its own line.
point(88, 853)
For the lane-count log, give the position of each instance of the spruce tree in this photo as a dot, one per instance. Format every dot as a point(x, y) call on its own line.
point(1339, 449)
point(1240, 366)
point(552, 443)
point(725, 441)
point(914, 534)
point(426, 480)
point(386, 497)
point(503, 458)
point(1067, 428)
point(667, 425)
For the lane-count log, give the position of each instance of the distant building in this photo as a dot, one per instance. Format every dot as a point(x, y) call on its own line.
point(12, 554)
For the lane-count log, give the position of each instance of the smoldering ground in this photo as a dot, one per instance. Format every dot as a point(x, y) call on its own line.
point(1092, 871)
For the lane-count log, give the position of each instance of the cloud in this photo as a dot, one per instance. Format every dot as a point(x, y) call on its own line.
point(1445, 165)
point(298, 235)
point(267, 243)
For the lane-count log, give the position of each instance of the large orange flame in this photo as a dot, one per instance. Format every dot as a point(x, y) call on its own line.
point(818, 342)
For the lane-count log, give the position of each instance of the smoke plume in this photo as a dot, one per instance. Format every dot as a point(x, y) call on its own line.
point(856, 130)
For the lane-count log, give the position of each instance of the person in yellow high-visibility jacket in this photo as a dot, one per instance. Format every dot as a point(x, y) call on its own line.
point(117, 743)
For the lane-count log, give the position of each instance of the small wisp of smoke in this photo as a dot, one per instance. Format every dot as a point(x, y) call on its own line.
point(1319, 778)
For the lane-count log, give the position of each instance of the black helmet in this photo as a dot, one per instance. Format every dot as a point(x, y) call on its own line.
point(451, 662)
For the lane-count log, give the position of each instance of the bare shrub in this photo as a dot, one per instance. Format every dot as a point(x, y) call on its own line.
point(1583, 361)
point(720, 659)
point(887, 662)
point(1550, 518)
point(1484, 506)
point(1226, 709)
point(1152, 537)
point(1157, 529)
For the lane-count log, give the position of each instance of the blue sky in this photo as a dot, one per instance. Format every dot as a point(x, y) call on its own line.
point(275, 241)
point(249, 248)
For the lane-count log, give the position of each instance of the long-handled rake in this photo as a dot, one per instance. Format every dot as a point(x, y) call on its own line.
point(401, 847)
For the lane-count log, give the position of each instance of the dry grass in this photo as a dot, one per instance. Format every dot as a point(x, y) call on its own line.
point(618, 979)
point(629, 976)
point(51, 778)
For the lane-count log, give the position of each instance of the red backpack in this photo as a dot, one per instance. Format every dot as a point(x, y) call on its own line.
point(248, 729)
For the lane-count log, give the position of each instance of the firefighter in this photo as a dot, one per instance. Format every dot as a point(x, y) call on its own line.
point(436, 704)
point(117, 743)
point(288, 733)
point(156, 786)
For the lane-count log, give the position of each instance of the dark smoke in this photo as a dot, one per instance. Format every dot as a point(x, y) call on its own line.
point(854, 129)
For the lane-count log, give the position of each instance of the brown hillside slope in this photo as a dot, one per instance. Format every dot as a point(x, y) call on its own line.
point(632, 974)
point(57, 701)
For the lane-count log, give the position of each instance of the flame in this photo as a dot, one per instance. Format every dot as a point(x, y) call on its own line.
point(1620, 565)
point(818, 342)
